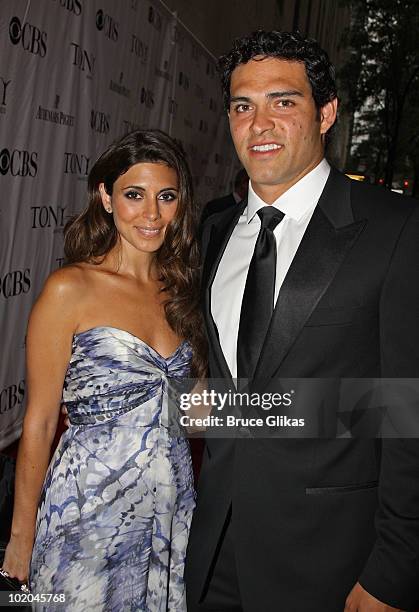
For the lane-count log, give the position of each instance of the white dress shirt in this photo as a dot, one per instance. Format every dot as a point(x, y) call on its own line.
point(297, 204)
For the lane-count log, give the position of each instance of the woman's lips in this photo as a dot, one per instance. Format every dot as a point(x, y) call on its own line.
point(148, 232)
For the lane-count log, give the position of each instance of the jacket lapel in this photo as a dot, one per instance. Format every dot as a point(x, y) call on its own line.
point(216, 234)
point(330, 234)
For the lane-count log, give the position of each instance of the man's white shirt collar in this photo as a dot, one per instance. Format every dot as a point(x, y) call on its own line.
point(298, 200)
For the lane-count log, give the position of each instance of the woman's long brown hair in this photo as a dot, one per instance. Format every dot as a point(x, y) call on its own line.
point(92, 234)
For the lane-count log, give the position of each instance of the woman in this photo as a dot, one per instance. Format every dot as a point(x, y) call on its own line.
point(106, 333)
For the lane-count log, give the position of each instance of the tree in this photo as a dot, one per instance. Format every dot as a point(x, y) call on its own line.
point(409, 138)
point(381, 78)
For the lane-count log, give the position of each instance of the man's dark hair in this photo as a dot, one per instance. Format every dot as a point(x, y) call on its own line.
point(287, 46)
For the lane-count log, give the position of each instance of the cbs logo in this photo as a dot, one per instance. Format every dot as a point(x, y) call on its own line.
point(29, 36)
point(18, 163)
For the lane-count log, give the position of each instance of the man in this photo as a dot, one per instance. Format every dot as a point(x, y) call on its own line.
point(305, 525)
point(241, 184)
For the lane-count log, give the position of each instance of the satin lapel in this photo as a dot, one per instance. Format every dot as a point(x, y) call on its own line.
point(220, 230)
point(330, 234)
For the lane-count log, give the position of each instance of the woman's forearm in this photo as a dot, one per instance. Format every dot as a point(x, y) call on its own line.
point(31, 467)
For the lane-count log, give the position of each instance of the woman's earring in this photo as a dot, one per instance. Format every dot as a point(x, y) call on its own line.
point(109, 210)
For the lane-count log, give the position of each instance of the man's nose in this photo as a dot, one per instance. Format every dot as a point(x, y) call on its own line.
point(262, 121)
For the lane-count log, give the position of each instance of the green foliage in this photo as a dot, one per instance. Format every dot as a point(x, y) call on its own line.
point(381, 81)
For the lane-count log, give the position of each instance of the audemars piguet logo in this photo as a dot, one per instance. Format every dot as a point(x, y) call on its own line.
point(119, 88)
point(54, 115)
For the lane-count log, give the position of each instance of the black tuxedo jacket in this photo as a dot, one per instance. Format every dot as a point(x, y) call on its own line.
point(217, 206)
point(313, 516)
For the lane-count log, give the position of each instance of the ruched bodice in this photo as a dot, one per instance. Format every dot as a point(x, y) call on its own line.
point(112, 371)
point(118, 497)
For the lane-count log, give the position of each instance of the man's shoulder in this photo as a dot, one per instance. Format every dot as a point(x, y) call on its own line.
point(223, 214)
point(219, 222)
point(217, 205)
point(375, 200)
point(370, 201)
point(226, 199)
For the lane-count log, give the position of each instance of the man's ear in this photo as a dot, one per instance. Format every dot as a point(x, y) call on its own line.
point(106, 198)
point(328, 115)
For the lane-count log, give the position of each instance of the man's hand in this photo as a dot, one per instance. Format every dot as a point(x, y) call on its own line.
point(64, 412)
point(359, 600)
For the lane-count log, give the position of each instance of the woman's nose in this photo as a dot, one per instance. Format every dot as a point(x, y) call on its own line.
point(151, 209)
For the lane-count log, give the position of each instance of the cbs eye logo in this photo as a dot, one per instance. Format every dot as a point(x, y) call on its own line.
point(100, 20)
point(29, 36)
point(18, 163)
point(107, 24)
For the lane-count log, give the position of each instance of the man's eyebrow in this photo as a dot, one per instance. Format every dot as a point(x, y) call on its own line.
point(239, 99)
point(284, 94)
point(272, 94)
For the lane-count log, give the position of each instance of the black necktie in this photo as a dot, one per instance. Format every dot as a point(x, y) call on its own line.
point(258, 297)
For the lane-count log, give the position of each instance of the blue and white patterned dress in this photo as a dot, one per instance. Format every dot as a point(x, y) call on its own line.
point(118, 497)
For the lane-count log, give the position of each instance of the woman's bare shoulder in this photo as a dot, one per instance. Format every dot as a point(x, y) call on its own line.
point(68, 282)
point(57, 309)
point(73, 287)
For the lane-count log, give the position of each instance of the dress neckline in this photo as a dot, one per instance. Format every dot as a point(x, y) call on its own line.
point(127, 333)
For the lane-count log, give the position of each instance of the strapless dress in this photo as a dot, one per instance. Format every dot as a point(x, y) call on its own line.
point(117, 501)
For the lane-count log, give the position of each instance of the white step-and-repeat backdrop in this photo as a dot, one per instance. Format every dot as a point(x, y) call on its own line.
point(75, 75)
